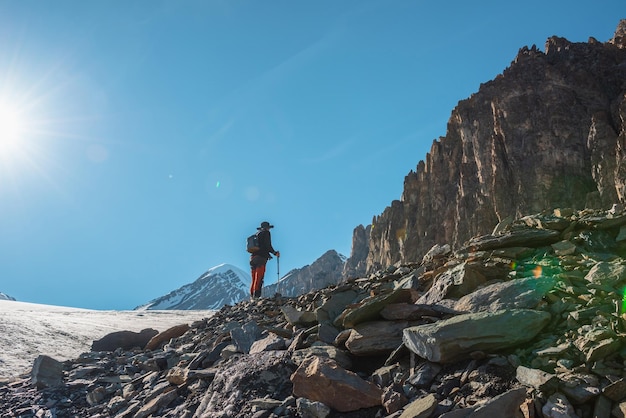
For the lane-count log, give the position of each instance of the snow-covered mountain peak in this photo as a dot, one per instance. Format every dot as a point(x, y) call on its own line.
point(218, 286)
point(4, 296)
point(230, 269)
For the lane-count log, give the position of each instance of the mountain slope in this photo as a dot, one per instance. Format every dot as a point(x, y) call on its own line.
point(221, 285)
point(325, 271)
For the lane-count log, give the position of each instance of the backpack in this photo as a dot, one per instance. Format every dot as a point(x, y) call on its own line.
point(252, 243)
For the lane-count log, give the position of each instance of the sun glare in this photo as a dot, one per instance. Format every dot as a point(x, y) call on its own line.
point(11, 129)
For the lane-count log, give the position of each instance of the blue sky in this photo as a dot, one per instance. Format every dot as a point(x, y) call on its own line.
point(154, 136)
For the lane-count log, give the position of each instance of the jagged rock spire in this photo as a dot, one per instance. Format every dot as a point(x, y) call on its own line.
point(619, 39)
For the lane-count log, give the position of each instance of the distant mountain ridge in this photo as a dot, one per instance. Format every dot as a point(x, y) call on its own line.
point(226, 284)
point(221, 285)
point(325, 271)
point(4, 296)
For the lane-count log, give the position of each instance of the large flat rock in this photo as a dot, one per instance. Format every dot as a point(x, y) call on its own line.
point(455, 338)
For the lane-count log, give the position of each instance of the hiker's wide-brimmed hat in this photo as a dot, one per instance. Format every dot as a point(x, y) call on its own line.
point(265, 225)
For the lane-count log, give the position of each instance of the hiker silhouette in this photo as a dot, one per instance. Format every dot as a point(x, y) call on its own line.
point(259, 258)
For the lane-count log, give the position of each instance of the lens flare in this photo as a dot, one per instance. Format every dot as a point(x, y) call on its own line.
point(537, 272)
point(513, 265)
point(624, 300)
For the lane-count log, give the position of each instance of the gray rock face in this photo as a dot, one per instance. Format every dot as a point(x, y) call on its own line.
point(47, 372)
point(455, 338)
point(515, 294)
point(356, 264)
point(548, 132)
point(373, 338)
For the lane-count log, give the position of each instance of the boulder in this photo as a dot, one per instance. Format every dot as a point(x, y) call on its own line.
point(453, 283)
point(558, 406)
point(375, 338)
point(414, 311)
point(323, 380)
point(504, 405)
point(524, 293)
point(163, 337)
point(521, 238)
point(312, 409)
point(537, 379)
point(270, 343)
point(420, 408)
point(335, 305)
point(455, 338)
point(607, 273)
point(245, 335)
point(320, 350)
point(124, 339)
point(564, 248)
point(46, 372)
point(369, 309)
point(297, 317)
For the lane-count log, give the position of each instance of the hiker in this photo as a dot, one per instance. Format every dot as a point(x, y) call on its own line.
point(259, 258)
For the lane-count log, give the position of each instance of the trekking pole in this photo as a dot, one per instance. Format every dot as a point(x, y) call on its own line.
point(278, 268)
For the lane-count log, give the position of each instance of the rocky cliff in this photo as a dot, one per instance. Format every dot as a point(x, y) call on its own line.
point(356, 265)
point(550, 131)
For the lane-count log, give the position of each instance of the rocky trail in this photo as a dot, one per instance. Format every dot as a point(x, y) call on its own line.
point(525, 322)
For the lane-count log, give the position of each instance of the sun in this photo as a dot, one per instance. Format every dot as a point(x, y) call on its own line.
point(12, 128)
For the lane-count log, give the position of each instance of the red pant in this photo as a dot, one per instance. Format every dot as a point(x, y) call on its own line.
point(257, 265)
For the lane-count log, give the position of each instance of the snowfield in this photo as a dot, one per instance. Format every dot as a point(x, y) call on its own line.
point(28, 330)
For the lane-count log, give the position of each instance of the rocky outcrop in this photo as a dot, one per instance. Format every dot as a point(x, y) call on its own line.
point(525, 322)
point(548, 132)
point(325, 271)
point(356, 264)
